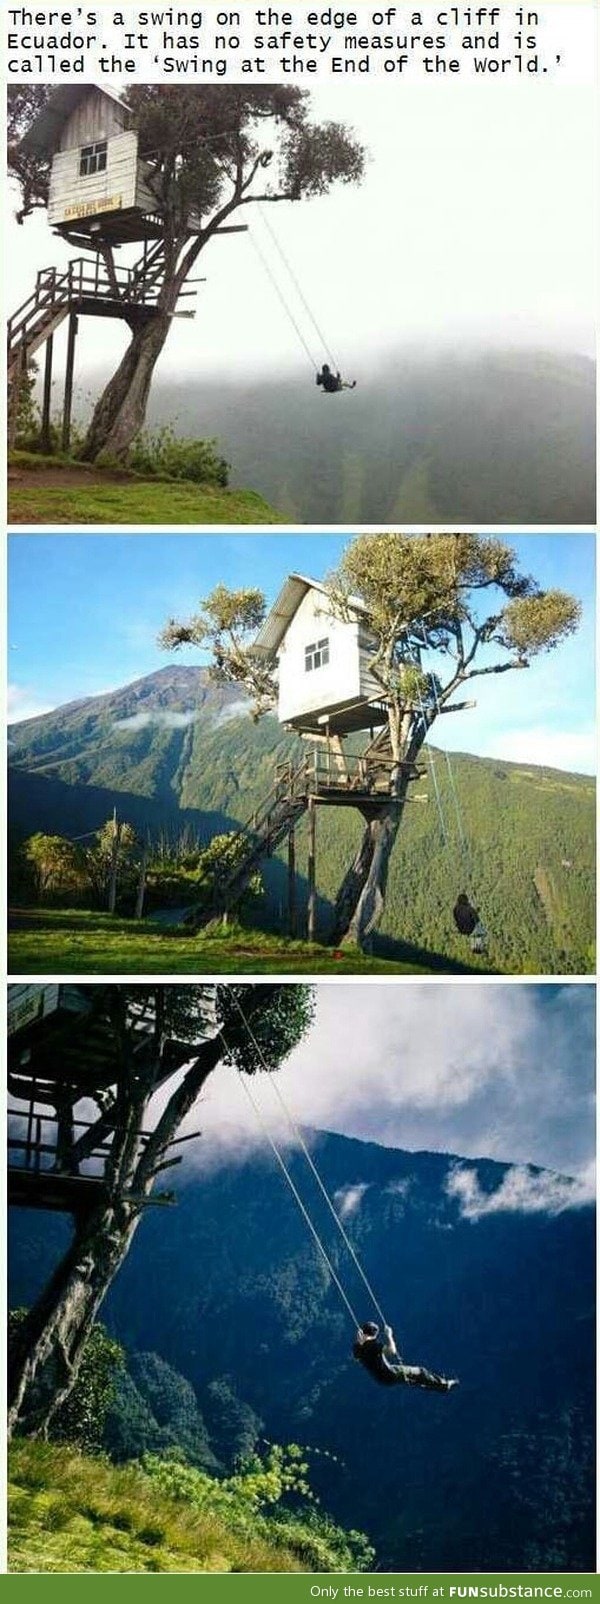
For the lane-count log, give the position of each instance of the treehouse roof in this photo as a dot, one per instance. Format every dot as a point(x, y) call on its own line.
point(43, 136)
point(284, 609)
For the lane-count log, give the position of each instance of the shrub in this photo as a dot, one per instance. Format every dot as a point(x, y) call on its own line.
point(165, 455)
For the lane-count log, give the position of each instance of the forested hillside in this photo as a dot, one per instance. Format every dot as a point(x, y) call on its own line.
point(495, 437)
point(173, 750)
point(235, 1333)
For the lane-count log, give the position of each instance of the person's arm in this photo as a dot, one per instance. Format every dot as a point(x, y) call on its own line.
point(390, 1350)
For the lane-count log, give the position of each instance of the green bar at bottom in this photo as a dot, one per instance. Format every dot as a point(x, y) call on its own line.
point(303, 1587)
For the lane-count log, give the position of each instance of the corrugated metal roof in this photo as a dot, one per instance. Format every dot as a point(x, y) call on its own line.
point(43, 136)
point(278, 620)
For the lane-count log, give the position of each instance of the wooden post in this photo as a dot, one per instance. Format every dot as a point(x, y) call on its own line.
point(45, 430)
point(114, 864)
point(141, 890)
point(16, 390)
point(312, 844)
point(292, 883)
point(64, 1136)
point(68, 397)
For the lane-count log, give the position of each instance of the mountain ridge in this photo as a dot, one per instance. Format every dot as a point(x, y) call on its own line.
point(174, 750)
point(498, 1477)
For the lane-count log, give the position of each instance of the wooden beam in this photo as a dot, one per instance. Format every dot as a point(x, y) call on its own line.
point(292, 883)
point(45, 430)
point(69, 370)
point(312, 847)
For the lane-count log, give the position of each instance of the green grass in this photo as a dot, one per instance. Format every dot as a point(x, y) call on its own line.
point(69, 1512)
point(141, 502)
point(73, 941)
point(117, 498)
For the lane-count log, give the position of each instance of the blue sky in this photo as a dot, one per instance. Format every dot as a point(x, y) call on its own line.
point(85, 610)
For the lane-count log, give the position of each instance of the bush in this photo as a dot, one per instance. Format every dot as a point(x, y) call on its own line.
point(80, 1419)
point(166, 456)
point(252, 1504)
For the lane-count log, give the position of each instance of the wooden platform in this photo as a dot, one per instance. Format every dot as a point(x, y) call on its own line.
point(62, 1194)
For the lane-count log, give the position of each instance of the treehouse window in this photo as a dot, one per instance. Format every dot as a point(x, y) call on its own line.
point(93, 159)
point(316, 655)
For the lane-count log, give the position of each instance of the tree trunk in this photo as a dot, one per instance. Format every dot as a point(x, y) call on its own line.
point(48, 1347)
point(361, 897)
point(121, 411)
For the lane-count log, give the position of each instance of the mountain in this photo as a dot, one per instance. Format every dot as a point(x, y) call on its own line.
point(174, 751)
point(494, 437)
point(496, 1476)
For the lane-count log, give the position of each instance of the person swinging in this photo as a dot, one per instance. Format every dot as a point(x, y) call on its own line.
point(469, 923)
point(332, 382)
point(383, 1362)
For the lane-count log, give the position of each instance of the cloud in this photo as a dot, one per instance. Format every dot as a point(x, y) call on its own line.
point(237, 709)
point(573, 750)
point(503, 1071)
point(25, 702)
point(166, 720)
point(521, 1191)
point(349, 1198)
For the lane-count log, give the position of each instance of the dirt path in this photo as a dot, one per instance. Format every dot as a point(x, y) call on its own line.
point(54, 478)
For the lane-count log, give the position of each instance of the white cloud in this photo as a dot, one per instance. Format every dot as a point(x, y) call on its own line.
point(349, 1198)
point(166, 720)
point(573, 750)
point(25, 702)
point(521, 1191)
point(495, 1070)
point(237, 709)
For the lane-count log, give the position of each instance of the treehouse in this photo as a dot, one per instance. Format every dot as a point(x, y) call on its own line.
point(64, 1060)
point(99, 191)
point(325, 684)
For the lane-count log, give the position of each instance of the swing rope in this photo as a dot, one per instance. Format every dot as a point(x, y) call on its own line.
point(297, 286)
point(296, 1130)
point(454, 793)
point(284, 303)
point(432, 769)
point(276, 286)
point(293, 1188)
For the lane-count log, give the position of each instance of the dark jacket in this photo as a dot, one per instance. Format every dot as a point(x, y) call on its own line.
point(370, 1354)
point(466, 918)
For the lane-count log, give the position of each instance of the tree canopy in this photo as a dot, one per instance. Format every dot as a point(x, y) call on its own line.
point(208, 148)
point(453, 593)
point(462, 596)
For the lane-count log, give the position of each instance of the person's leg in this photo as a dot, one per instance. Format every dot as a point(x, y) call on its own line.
point(417, 1376)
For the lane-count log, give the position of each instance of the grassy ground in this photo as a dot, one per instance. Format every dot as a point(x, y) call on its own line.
point(68, 1512)
point(75, 942)
point(56, 491)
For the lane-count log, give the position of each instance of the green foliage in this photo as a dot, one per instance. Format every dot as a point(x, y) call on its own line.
point(81, 1418)
point(55, 861)
point(71, 1513)
point(155, 1410)
point(274, 1030)
point(264, 1482)
point(538, 623)
point(165, 455)
point(226, 627)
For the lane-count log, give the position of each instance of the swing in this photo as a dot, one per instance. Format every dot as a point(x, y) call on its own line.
point(466, 917)
point(413, 1375)
point(328, 377)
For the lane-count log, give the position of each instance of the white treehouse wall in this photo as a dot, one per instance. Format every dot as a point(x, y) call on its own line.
point(325, 688)
point(72, 195)
point(96, 116)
